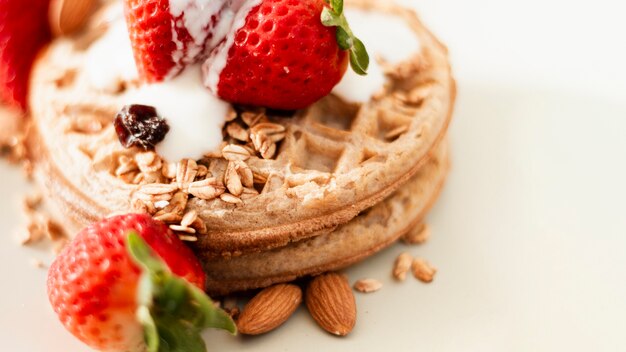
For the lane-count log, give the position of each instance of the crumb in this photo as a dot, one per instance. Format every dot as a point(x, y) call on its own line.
point(368, 285)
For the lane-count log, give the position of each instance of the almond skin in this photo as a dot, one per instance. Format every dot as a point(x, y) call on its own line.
point(68, 16)
point(269, 309)
point(331, 303)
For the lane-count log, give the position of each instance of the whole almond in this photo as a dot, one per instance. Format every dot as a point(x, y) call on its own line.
point(68, 16)
point(331, 303)
point(269, 309)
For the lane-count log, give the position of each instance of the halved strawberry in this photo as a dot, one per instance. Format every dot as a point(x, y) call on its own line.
point(167, 36)
point(24, 30)
point(128, 283)
point(284, 57)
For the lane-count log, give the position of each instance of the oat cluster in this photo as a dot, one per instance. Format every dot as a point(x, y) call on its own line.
point(165, 188)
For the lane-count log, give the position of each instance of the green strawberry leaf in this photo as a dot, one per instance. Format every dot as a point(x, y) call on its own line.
point(172, 311)
point(344, 39)
point(359, 59)
point(337, 6)
point(333, 16)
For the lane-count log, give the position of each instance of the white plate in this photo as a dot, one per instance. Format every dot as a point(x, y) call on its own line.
point(529, 234)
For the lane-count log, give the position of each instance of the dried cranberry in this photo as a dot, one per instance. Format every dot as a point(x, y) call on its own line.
point(140, 126)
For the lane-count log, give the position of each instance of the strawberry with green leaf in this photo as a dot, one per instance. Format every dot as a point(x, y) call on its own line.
point(287, 55)
point(334, 17)
point(128, 283)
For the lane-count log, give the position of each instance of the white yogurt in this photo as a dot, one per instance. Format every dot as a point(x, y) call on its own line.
point(216, 63)
point(384, 35)
point(195, 116)
point(110, 60)
point(195, 16)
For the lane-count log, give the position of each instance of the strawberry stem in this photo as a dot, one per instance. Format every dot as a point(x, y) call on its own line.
point(333, 16)
point(172, 311)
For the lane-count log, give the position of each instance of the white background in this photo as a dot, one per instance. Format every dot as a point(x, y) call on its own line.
point(530, 233)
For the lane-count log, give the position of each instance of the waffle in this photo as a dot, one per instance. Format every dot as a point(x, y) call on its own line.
point(318, 169)
point(363, 236)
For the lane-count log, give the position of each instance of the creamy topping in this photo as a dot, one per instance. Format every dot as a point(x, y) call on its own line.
point(216, 63)
point(384, 35)
point(194, 115)
point(110, 60)
point(198, 17)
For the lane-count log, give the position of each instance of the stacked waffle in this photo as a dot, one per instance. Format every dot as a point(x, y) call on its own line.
point(287, 194)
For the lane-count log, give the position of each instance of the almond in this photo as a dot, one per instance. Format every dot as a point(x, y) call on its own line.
point(330, 301)
point(68, 16)
point(269, 309)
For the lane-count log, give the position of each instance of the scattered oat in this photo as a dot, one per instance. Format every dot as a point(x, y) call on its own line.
point(148, 162)
point(186, 172)
point(264, 145)
point(259, 178)
point(180, 228)
point(418, 235)
point(199, 226)
point(245, 173)
point(189, 218)
point(233, 180)
point(402, 266)
point(229, 198)
point(187, 238)
point(367, 285)
point(233, 152)
point(237, 132)
point(248, 193)
point(168, 218)
point(273, 131)
point(251, 118)
point(154, 189)
point(231, 115)
point(125, 165)
point(206, 189)
point(423, 271)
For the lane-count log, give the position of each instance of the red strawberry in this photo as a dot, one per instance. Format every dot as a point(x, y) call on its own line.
point(128, 283)
point(162, 43)
point(24, 30)
point(283, 57)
